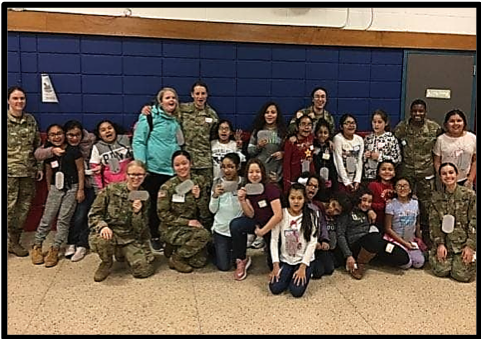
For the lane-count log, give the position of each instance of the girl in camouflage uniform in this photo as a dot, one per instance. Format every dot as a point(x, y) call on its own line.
point(183, 217)
point(453, 248)
point(120, 226)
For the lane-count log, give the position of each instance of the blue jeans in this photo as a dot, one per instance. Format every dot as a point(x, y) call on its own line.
point(223, 252)
point(286, 280)
point(239, 228)
point(79, 228)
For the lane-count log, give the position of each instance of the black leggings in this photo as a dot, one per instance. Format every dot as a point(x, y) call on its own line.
point(374, 243)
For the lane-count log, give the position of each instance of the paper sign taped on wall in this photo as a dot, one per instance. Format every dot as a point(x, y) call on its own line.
point(48, 92)
point(438, 93)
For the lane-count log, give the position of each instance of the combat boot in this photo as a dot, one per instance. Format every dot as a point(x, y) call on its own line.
point(51, 259)
point(177, 263)
point(168, 250)
point(142, 270)
point(198, 260)
point(15, 247)
point(363, 258)
point(103, 271)
point(37, 255)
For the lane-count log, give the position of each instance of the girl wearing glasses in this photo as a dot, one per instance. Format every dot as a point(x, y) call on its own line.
point(65, 184)
point(402, 223)
point(118, 221)
point(348, 151)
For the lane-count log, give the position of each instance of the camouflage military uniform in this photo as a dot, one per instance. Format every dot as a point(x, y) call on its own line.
point(23, 138)
point(131, 233)
point(417, 145)
point(462, 205)
point(197, 127)
point(189, 242)
point(325, 115)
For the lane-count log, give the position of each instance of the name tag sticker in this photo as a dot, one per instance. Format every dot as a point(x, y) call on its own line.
point(326, 156)
point(262, 203)
point(178, 198)
point(54, 164)
point(208, 120)
point(389, 248)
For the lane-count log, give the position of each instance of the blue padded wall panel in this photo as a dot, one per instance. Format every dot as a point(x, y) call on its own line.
point(253, 69)
point(288, 70)
point(59, 44)
point(142, 47)
point(29, 62)
point(13, 62)
point(328, 55)
point(181, 49)
point(58, 63)
point(142, 65)
point(180, 67)
point(101, 45)
point(253, 52)
point(217, 51)
point(66, 83)
point(28, 43)
point(101, 64)
point(217, 68)
point(13, 42)
point(98, 84)
point(118, 75)
point(141, 84)
point(322, 71)
point(361, 72)
point(49, 118)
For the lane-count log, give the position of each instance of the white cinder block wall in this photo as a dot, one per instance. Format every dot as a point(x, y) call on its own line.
point(429, 20)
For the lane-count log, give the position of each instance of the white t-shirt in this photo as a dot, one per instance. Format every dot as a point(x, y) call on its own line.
point(348, 158)
point(219, 150)
point(294, 248)
point(459, 151)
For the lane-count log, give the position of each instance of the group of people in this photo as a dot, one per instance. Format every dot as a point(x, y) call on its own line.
point(186, 184)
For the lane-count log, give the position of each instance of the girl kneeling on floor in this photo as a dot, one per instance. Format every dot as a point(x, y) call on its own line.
point(297, 233)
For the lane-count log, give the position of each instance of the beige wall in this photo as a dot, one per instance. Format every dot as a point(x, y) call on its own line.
point(428, 20)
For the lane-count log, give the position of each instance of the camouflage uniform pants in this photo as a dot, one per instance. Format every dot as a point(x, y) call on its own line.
point(189, 242)
point(453, 265)
point(207, 173)
point(21, 192)
point(134, 253)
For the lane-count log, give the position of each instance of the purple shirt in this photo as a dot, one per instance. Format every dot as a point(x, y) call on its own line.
point(262, 203)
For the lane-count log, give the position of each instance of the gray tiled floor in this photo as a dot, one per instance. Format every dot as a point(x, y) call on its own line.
point(66, 300)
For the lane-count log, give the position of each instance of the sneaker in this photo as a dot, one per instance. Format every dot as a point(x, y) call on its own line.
point(258, 243)
point(79, 254)
point(156, 245)
point(240, 272)
point(69, 251)
point(250, 239)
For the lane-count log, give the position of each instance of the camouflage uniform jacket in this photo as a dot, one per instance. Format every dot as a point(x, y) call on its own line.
point(23, 138)
point(417, 144)
point(462, 205)
point(197, 126)
point(175, 214)
point(112, 208)
point(308, 110)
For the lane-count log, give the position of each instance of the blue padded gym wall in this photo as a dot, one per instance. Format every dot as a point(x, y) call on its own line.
point(97, 77)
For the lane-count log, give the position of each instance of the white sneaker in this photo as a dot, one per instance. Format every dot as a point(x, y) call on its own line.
point(258, 243)
point(79, 254)
point(250, 239)
point(69, 251)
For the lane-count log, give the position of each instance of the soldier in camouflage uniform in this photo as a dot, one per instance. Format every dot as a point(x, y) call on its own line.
point(23, 138)
point(316, 111)
point(198, 119)
point(183, 217)
point(120, 226)
point(417, 138)
point(452, 253)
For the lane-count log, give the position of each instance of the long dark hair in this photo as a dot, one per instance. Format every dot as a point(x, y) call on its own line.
point(260, 120)
point(308, 217)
